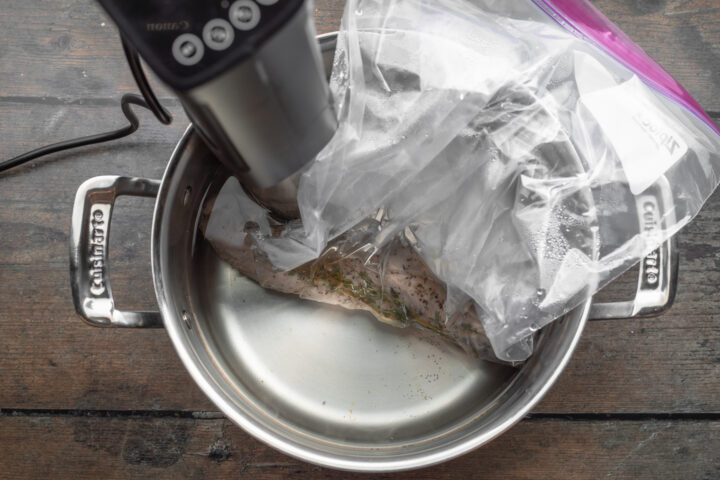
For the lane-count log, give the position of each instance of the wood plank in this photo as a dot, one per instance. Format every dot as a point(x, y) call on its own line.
point(669, 364)
point(76, 38)
point(170, 448)
point(49, 359)
point(28, 125)
point(656, 365)
point(81, 44)
point(682, 35)
point(43, 344)
point(676, 356)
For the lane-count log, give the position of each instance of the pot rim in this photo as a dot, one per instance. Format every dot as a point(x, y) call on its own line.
point(181, 344)
point(176, 331)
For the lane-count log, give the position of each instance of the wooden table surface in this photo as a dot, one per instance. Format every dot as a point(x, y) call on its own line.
point(640, 399)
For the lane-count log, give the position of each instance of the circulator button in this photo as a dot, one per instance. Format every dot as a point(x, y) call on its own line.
point(244, 14)
point(188, 49)
point(218, 34)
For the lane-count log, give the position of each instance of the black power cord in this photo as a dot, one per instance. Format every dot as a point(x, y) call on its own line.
point(138, 74)
point(148, 100)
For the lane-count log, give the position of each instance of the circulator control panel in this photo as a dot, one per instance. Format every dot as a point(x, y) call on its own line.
point(188, 42)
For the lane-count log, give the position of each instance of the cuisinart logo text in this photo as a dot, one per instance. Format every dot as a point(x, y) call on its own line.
point(167, 26)
point(98, 244)
point(660, 136)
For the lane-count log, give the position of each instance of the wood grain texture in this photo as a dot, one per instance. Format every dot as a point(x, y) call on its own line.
point(61, 76)
point(682, 35)
point(659, 365)
point(669, 364)
point(80, 43)
point(171, 448)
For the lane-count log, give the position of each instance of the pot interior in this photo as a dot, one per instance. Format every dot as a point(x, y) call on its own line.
point(321, 383)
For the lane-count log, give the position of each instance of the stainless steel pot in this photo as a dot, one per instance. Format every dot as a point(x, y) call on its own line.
point(330, 387)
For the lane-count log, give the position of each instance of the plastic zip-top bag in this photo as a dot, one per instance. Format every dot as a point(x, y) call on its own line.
point(507, 144)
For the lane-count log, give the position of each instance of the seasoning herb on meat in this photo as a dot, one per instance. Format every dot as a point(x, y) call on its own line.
point(392, 284)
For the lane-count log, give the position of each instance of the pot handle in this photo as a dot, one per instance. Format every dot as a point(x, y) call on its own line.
point(658, 278)
point(89, 235)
